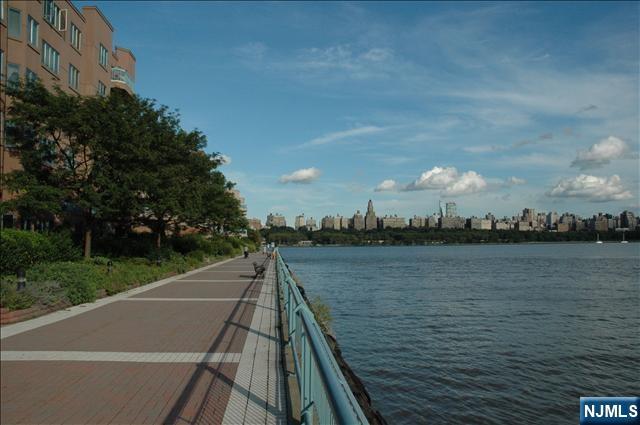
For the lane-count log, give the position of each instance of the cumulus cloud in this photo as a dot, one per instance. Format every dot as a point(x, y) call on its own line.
point(513, 181)
point(591, 188)
point(436, 178)
point(469, 182)
point(304, 175)
point(387, 185)
point(446, 179)
point(601, 153)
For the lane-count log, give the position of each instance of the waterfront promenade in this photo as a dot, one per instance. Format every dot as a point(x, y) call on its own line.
point(202, 347)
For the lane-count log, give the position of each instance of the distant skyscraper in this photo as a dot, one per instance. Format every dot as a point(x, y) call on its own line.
point(528, 215)
point(358, 221)
point(300, 222)
point(370, 220)
point(451, 209)
point(276, 220)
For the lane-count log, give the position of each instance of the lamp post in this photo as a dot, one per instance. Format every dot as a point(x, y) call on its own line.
point(109, 266)
point(22, 279)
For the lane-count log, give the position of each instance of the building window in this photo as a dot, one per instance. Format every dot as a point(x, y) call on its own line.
point(50, 58)
point(32, 31)
point(102, 89)
point(74, 77)
point(30, 76)
point(13, 74)
point(104, 56)
point(76, 37)
point(51, 13)
point(15, 23)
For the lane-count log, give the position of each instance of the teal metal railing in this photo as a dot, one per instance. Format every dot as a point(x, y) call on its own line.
point(325, 396)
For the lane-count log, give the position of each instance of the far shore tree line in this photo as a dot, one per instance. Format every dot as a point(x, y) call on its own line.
point(116, 162)
point(421, 236)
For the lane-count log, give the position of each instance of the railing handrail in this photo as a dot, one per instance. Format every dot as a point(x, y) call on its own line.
point(343, 405)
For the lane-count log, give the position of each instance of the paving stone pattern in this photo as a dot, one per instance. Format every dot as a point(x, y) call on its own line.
point(202, 348)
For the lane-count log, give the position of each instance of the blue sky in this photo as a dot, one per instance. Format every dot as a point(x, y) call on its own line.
point(323, 106)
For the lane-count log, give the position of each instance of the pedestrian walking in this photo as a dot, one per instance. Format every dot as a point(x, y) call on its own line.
point(246, 251)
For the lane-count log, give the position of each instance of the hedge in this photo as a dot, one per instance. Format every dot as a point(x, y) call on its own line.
point(22, 249)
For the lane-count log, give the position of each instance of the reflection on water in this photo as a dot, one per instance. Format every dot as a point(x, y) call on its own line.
point(483, 333)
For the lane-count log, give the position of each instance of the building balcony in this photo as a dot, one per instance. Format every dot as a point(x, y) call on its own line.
point(121, 76)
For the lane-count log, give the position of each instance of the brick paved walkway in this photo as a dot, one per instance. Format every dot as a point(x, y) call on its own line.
point(202, 347)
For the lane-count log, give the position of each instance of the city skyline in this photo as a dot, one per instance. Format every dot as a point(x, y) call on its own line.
point(406, 104)
point(536, 219)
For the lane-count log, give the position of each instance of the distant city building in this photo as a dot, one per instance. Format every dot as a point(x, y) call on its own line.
point(524, 226)
point(552, 220)
point(599, 223)
point(563, 227)
point(502, 225)
point(628, 220)
point(344, 223)
point(451, 209)
point(480, 223)
point(393, 222)
point(276, 220)
point(528, 216)
point(490, 217)
point(432, 221)
point(337, 222)
point(299, 222)
point(452, 222)
point(311, 224)
point(358, 221)
point(370, 219)
point(418, 221)
point(255, 223)
point(328, 222)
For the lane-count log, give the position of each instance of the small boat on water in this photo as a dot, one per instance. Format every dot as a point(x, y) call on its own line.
point(598, 241)
point(623, 239)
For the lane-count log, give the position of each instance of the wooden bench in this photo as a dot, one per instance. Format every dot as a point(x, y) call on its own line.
point(258, 269)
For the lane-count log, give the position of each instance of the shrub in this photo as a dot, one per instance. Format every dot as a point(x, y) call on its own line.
point(22, 249)
point(79, 279)
point(12, 299)
point(197, 255)
point(63, 248)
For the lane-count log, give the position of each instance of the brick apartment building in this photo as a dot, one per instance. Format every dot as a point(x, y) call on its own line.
point(57, 43)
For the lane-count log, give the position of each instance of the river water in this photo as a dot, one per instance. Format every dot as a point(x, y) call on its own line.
point(483, 333)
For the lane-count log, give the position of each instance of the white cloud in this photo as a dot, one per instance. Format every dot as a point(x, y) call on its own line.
point(340, 135)
point(445, 179)
point(469, 182)
point(513, 181)
point(304, 175)
point(387, 185)
point(601, 153)
point(436, 178)
point(592, 188)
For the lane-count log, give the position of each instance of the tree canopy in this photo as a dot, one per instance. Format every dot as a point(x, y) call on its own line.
point(120, 160)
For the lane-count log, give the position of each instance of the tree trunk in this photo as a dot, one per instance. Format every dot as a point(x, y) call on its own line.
point(32, 226)
point(87, 242)
point(159, 233)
